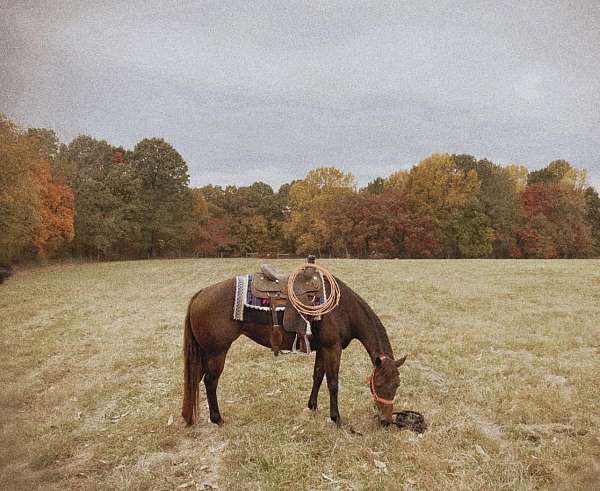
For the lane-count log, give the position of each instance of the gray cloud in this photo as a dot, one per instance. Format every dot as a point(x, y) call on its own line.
point(247, 90)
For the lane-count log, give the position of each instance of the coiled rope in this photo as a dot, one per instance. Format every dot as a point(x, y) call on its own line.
point(332, 300)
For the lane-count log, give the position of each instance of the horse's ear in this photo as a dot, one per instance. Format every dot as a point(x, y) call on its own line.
point(401, 361)
point(378, 361)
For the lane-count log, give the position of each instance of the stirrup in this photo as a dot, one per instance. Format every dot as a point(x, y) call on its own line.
point(295, 346)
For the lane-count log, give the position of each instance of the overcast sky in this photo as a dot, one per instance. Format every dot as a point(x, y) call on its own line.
point(267, 90)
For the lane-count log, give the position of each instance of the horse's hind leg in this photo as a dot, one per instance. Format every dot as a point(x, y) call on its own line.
point(318, 374)
point(331, 361)
point(213, 367)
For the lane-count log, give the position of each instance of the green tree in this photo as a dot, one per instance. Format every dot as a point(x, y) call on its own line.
point(19, 196)
point(376, 186)
point(103, 216)
point(559, 172)
point(499, 200)
point(163, 178)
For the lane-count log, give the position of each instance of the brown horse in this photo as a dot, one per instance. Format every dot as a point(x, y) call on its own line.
point(210, 329)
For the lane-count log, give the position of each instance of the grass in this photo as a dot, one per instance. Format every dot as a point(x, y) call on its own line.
point(503, 362)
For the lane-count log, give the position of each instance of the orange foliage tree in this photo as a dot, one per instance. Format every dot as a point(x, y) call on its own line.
point(55, 227)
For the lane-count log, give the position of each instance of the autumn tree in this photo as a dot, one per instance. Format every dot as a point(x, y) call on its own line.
point(308, 198)
point(518, 174)
point(592, 216)
point(354, 226)
point(377, 225)
point(55, 228)
point(439, 189)
point(36, 208)
point(555, 207)
point(397, 181)
point(555, 223)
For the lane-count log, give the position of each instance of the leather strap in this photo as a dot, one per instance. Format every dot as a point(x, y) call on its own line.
point(376, 398)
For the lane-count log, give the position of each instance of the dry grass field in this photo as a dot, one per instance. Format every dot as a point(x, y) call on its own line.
point(503, 362)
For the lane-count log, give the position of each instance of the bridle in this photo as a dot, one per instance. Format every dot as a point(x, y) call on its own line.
point(376, 398)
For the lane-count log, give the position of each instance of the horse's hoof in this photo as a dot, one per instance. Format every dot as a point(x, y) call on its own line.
point(217, 420)
point(312, 405)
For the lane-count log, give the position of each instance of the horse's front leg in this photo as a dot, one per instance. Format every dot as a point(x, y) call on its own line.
point(318, 374)
point(213, 368)
point(331, 361)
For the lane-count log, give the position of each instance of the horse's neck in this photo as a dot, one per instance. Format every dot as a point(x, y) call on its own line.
point(369, 330)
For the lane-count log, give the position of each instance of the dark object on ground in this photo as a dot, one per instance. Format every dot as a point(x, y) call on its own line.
point(410, 419)
point(5, 272)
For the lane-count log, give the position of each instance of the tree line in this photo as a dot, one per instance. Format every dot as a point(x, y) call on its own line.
point(95, 200)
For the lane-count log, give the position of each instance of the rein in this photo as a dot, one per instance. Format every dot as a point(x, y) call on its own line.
point(376, 398)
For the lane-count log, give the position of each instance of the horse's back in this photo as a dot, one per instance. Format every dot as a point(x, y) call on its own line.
point(211, 315)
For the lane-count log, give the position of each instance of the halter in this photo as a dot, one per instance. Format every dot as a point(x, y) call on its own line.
point(376, 398)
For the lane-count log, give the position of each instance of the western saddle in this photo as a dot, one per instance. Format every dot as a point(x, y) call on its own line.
point(271, 284)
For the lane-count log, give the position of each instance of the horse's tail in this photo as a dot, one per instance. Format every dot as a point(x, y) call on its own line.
point(193, 370)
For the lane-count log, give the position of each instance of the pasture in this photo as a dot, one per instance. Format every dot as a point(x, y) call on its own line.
point(503, 362)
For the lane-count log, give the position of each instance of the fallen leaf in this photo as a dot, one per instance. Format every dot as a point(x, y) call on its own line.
point(482, 452)
point(188, 484)
point(382, 466)
point(170, 422)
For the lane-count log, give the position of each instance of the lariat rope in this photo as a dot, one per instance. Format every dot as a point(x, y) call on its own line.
point(331, 302)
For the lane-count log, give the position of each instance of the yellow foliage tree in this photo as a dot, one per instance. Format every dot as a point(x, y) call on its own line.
point(437, 185)
point(519, 175)
point(397, 180)
point(308, 201)
point(437, 188)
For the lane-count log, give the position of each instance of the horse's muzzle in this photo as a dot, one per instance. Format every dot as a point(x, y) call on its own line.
point(384, 414)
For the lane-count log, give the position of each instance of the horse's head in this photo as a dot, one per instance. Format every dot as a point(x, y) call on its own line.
point(384, 382)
